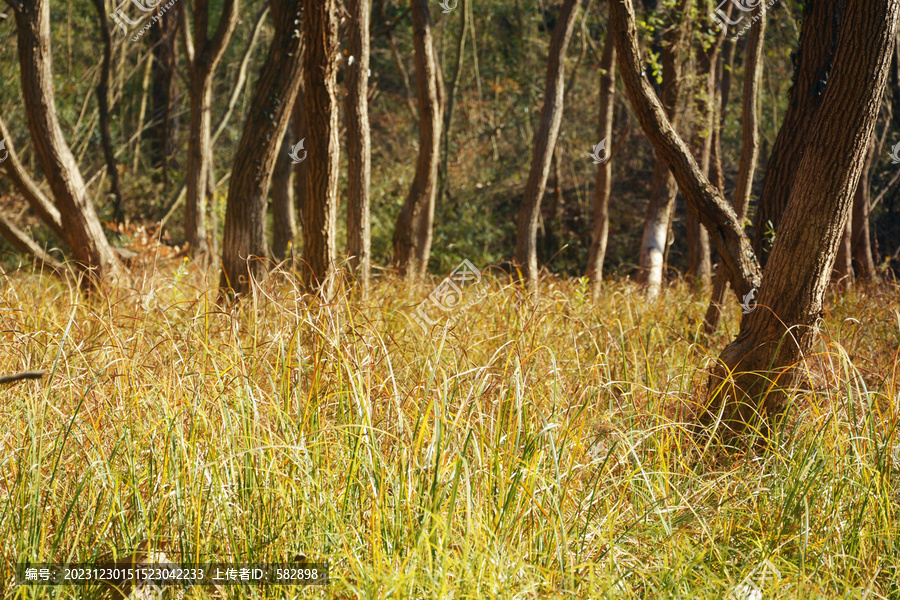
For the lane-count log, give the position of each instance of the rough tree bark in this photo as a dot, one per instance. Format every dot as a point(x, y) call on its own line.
point(815, 57)
point(544, 141)
point(749, 154)
point(412, 233)
point(203, 55)
point(777, 336)
point(244, 245)
point(80, 225)
point(359, 238)
point(662, 186)
point(320, 211)
point(603, 184)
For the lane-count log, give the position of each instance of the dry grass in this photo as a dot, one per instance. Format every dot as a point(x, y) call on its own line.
point(526, 450)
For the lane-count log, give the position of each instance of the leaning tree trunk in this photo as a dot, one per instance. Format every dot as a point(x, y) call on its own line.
point(749, 155)
point(776, 337)
point(603, 185)
point(544, 141)
point(861, 245)
point(815, 57)
point(320, 211)
point(244, 247)
point(412, 233)
point(203, 56)
point(82, 229)
point(662, 185)
point(359, 237)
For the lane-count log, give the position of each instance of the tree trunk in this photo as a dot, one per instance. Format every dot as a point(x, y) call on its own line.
point(301, 169)
point(661, 206)
point(22, 242)
point(244, 245)
point(412, 233)
point(359, 237)
point(203, 56)
point(603, 184)
point(103, 112)
point(544, 141)
point(163, 130)
point(81, 227)
point(724, 84)
point(715, 213)
point(861, 245)
point(842, 272)
point(320, 212)
point(815, 57)
point(777, 336)
point(284, 223)
point(749, 155)
point(451, 101)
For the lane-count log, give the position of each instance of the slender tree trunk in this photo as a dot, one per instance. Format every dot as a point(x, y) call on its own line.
point(300, 170)
point(724, 83)
point(451, 100)
point(284, 223)
point(780, 333)
point(842, 272)
point(815, 57)
point(82, 229)
point(163, 132)
point(320, 211)
point(412, 233)
point(861, 244)
point(203, 57)
point(662, 187)
point(359, 237)
point(544, 141)
point(244, 245)
point(112, 168)
point(749, 154)
point(603, 184)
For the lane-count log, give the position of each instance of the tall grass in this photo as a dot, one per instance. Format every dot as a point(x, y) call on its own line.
point(522, 449)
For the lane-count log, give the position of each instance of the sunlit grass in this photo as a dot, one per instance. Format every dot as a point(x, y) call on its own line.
point(520, 449)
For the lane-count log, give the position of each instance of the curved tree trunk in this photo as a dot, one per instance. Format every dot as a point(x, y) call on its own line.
point(80, 225)
point(544, 141)
point(320, 211)
point(861, 245)
point(780, 333)
point(749, 155)
point(359, 238)
point(815, 57)
point(663, 190)
point(603, 184)
point(103, 112)
point(412, 233)
point(244, 245)
point(203, 56)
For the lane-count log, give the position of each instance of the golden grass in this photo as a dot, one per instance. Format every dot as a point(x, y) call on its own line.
point(520, 450)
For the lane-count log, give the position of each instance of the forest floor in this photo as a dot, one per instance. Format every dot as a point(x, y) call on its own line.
point(517, 449)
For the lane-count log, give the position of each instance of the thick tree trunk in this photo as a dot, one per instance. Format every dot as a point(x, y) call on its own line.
point(780, 333)
point(320, 211)
point(80, 225)
point(284, 223)
point(815, 57)
point(244, 245)
point(663, 190)
point(861, 244)
point(203, 56)
point(603, 183)
point(749, 154)
point(412, 233)
point(544, 141)
point(359, 238)
point(715, 213)
point(112, 168)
